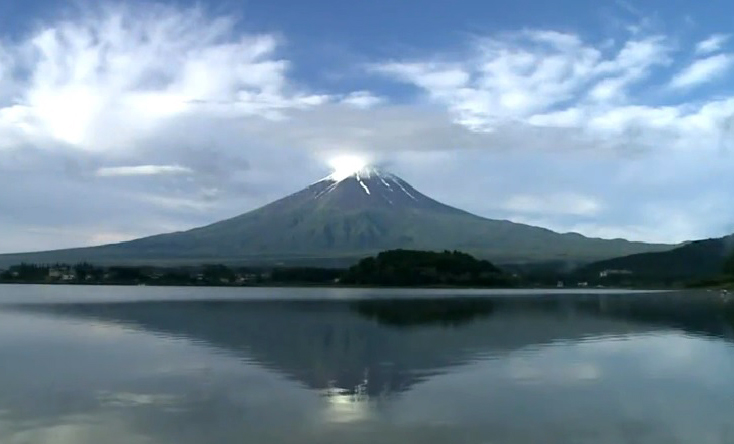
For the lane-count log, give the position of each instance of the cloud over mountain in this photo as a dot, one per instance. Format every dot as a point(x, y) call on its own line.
point(123, 121)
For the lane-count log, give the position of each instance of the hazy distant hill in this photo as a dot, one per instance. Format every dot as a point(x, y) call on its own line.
point(694, 260)
point(344, 220)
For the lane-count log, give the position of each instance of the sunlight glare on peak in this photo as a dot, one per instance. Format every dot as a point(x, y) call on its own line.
point(345, 166)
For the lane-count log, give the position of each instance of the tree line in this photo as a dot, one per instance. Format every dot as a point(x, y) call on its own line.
point(390, 268)
point(398, 268)
point(425, 268)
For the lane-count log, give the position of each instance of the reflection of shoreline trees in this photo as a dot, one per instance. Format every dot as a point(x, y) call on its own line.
point(701, 313)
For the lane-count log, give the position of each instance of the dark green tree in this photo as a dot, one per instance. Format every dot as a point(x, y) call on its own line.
point(729, 265)
point(218, 274)
point(423, 268)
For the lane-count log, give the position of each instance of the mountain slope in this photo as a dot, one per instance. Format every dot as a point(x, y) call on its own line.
point(349, 218)
point(697, 259)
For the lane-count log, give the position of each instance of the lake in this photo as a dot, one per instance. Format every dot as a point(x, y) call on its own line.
point(113, 365)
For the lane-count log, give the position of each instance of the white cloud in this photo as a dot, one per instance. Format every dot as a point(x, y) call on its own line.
point(142, 170)
point(556, 203)
point(633, 63)
point(6, 66)
point(108, 78)
point(712, 44)
point(703, 71)
point(362, 99)
point(573, 93)
point(529, 73)
point(205, 122)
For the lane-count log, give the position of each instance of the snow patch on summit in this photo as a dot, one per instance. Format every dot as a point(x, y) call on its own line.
point(404, 190)
point(328, 189)
point(366, 190)
point(364, 173)
point(386, 184)
point(375, 183)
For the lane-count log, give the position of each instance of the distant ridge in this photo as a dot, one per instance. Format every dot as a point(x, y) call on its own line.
point(697, 259)
point(340, 219)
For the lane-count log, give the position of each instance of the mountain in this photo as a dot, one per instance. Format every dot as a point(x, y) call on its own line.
point(698, 259)
point(338, 220)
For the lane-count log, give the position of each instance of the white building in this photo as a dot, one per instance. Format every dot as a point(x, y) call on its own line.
point(607, 273)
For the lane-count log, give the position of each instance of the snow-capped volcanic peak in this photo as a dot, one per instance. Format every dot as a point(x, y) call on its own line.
point(369, 183)
point(347, 166)
point(366, 172)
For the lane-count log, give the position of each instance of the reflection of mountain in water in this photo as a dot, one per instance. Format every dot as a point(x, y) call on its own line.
point(395, 344)
point(414, 312)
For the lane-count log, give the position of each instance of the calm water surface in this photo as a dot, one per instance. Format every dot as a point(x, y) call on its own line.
point(88, 365)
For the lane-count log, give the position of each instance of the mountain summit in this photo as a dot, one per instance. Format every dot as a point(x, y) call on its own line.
point(371, 187)
point(342, 218)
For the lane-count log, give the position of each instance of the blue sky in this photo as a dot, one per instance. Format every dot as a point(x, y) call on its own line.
point(117, 120)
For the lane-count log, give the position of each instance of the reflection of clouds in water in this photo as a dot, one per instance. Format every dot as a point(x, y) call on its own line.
point(654, 354)
point(689, 357)
point(609, 344)
point(562, 363)
point(108, 329)
point(535, 371)
point(670, 353)
point(41, 327)
point(586, 372)
point(188, 374)
point(676, 348)
point(640, 343)
point(81, 429)
point(104, 426)
point(126, 399)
